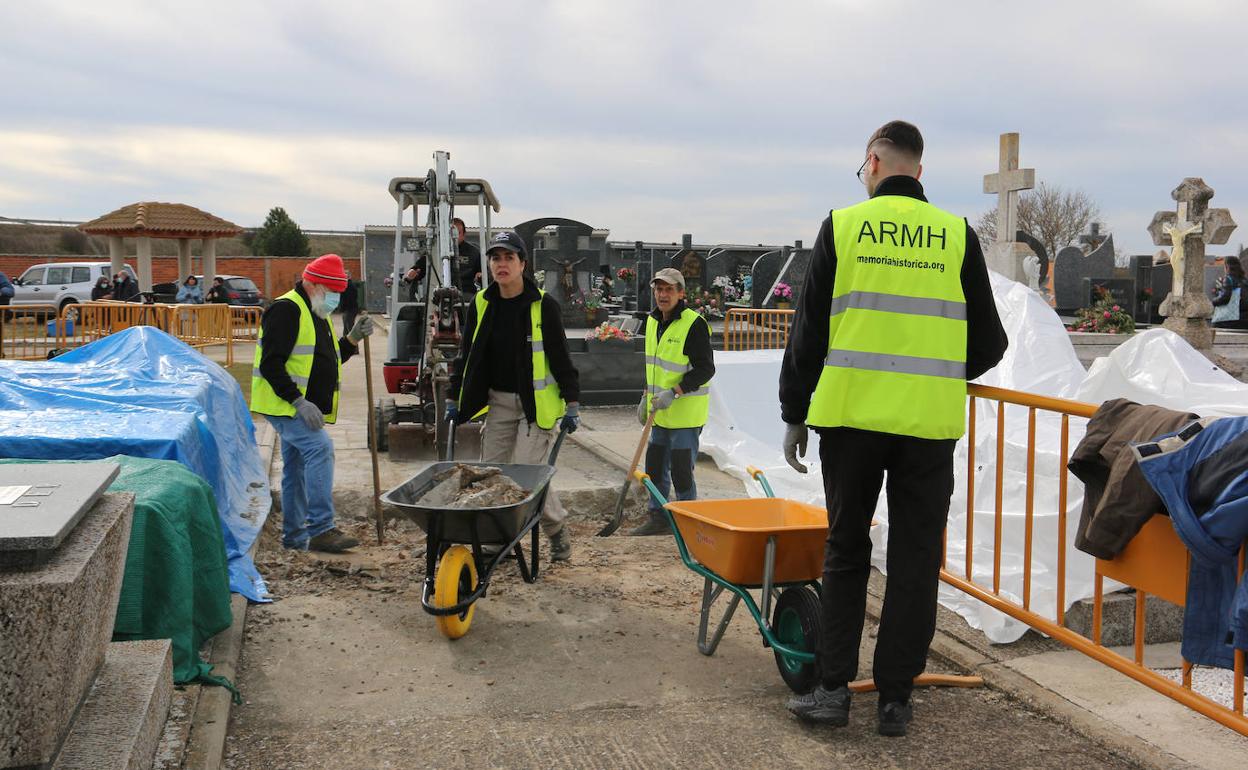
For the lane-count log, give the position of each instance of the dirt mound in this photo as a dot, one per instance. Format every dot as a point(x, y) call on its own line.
point(473, 486)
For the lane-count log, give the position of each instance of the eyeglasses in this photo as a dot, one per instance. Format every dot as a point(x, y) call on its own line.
point(863, 167)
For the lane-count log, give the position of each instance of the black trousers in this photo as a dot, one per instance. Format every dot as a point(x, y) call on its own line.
point(920, 483)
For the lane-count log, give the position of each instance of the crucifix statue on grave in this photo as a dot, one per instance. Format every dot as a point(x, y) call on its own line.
point(1006, 255)
point(567, 279)
point(1187, 230)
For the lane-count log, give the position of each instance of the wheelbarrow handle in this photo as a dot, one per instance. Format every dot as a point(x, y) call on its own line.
point(757, 474)
point(554, 451)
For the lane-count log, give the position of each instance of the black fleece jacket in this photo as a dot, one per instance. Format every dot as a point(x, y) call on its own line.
point(279, 327)
point(473, 391)
point(697, 347)
point(808, 341)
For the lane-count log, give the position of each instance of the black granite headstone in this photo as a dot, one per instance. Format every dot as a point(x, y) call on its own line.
point(1071, 267)
point(762, 276)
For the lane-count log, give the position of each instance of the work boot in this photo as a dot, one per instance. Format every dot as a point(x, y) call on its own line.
point(894, 717)
point(655, 525)
point(332, 541)
point(822, 706)
point(560, 545)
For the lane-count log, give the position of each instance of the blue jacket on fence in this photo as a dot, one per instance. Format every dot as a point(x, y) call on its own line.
point(1201, 474)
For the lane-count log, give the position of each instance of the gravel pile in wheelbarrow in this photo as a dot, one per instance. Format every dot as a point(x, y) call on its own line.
point(473, 486)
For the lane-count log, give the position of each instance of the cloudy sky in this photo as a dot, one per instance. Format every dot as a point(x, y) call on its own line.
point(736, 121)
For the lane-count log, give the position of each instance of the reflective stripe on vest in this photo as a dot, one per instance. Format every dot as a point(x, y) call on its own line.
point(299, 365)
point(896, 360)
point(546, 398)
point(666, 365)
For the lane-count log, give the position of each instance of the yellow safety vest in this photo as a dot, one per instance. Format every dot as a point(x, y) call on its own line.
point(666, 365)
point(299, 365)
point(546, 396)
point(896, 358)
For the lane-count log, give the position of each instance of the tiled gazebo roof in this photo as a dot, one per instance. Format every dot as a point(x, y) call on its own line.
point(161, 220)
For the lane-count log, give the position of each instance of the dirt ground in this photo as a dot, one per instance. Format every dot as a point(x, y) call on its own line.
point(593, 666)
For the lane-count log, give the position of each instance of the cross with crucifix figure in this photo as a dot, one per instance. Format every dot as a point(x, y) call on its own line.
point(1006, 256)
point(1187, 230)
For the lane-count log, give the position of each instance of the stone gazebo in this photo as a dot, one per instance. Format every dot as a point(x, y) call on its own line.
point(175, 221)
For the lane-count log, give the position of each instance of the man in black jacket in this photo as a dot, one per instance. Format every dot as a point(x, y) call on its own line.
point(875, 362)
point(495, 372)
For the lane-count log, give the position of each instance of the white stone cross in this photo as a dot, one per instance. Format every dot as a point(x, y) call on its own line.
point(1006, 184)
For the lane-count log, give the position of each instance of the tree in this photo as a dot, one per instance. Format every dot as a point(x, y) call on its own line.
point(280, 236)
point(1053, 215)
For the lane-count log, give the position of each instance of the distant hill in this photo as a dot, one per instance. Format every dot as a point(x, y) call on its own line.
point(55, 239)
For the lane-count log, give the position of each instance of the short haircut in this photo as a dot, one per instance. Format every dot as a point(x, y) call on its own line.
point(460, 222)
point(903, 136)
point(1235, 266)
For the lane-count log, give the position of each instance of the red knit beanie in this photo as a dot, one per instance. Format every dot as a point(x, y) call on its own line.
point(327, 271)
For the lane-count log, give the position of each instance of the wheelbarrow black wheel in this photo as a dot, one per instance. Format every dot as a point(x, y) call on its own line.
point(796, 623)
point(457, 577)
point(383, 415)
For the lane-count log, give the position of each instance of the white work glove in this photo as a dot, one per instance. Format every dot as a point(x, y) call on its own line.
point(308, 412)
point(363, 327)
point(642, 414)
point(795, 444)
point(664, 399)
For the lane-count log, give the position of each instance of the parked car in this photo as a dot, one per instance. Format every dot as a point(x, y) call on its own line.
point(61, 283)
point(240, 289)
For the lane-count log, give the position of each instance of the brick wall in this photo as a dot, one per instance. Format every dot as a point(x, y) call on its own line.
point(280, 272)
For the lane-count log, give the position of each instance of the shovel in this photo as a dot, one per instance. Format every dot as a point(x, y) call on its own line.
point(618, 517)
point(372, 443)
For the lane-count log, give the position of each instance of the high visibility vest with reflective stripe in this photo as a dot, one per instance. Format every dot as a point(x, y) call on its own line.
point(896, 359)
point(546, 396)
point(666, 364)
point(299, 366)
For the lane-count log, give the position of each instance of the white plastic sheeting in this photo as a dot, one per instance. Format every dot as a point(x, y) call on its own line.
point(1154, 367)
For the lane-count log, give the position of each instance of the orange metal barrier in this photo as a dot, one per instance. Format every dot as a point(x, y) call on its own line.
point(24, 332)
point(756, 328)
point(1154, 563)
point(202, 326)
point(246, 323)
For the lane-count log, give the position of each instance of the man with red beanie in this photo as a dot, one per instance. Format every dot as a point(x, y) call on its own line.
point(295, 384)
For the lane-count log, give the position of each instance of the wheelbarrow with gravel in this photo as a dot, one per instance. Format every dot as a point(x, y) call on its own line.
point(767, 544)
point(469, 535)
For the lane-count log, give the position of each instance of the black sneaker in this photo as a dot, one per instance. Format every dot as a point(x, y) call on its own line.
point(822, 706)
point(894, 717)
point(655, 525)
point(332, 541)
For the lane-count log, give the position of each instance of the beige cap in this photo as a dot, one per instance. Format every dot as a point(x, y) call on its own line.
point(670, 275)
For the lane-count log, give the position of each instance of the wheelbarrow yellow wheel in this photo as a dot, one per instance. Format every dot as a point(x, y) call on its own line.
point(457, 576)
point(796, 623)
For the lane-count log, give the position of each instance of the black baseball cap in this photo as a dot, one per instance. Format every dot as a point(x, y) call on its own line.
point(508, 239)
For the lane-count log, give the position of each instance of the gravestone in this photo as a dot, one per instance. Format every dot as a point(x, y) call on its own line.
point(1070, 269)
point(568, 267)
point(1006, 256)
point(1147, 299)
point(1187, 230)
point(763, 274)
point(799, 265)
point(645, 271)
point(1092, 239)
point(63, 545)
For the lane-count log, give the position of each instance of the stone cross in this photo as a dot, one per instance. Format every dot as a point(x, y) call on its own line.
point(1006, 255)
point(1187, 230)
point(1093, 238)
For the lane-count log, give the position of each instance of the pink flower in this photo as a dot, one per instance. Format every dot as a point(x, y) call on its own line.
point(1107, 314)
point(1117, 309)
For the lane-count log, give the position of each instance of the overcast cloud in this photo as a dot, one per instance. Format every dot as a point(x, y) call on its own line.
point(736, 121)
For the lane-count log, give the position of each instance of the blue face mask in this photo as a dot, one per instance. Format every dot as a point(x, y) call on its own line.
point(330, 302)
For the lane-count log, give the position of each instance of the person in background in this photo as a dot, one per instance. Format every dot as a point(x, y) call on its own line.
point(514, 366)
point(679, 366)
point(103, 289)
point(125, 288)
point(6, 289)
point(295, 384)
point(1231, 286)
point(350, 303)
point(885, 337)
point(189, 292)
point(217, 292)
point(469, 259)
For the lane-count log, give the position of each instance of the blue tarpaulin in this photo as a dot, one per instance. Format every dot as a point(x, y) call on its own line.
point(144, 393)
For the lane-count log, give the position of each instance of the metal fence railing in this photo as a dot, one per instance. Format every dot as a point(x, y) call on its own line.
point(1154, 563)
point(756, 328)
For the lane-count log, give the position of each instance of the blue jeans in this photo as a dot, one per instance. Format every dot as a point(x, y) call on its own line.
point(307, 481)
point(670, 457)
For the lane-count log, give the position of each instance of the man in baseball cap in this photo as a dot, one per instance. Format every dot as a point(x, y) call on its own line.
point(295, 385)
point(679, 368)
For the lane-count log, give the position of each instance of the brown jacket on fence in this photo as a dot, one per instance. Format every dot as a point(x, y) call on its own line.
point(1117, 501)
